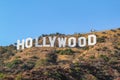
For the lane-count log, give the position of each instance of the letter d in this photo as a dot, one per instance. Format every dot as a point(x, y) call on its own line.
point(92, 40)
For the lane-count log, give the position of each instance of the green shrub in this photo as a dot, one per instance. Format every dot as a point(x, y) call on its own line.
point(2, 50)
point(8, 54)
point(101, 39)
point(46, 73)
point(92, 57)
point(112, 60)
point(19, 77)
point(28, 66)
point(41, 62)
point(116, 47)
point(14, 63)
point(85, 48)
point(11, 47)
point(17, 57)
point(35, 57)
point(2, 76)
point(57, 75)
point(51, 57)
point(104, 48)
point(104, 57)
point(65, 52)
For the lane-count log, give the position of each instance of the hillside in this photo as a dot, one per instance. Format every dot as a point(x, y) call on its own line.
point(98, 62)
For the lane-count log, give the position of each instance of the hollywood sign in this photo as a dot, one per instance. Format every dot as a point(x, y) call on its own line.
point(62, 42)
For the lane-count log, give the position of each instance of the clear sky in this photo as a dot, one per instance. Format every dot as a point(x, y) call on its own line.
point(20, 19)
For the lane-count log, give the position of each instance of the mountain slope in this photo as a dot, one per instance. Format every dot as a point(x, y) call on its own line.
point(98, 62)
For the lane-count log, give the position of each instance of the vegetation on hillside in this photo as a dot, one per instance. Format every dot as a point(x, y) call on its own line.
point(99, 62)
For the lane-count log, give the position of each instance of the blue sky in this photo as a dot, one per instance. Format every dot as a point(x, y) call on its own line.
point(20, 19)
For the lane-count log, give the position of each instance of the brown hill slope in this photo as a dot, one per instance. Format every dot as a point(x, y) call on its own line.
point(98, 62)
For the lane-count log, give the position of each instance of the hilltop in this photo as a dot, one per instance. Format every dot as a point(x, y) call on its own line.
point(98, 62)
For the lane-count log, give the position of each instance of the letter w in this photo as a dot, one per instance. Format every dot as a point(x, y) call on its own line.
point(62, 42)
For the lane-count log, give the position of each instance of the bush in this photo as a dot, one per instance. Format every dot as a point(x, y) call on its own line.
point(19, 77)
point(51, 57)
point(11, 47)
point(2, 50)
point(41, 62)
point(28, 66)
point(14, 63)
point(65, 52)
point(2, 76)
point(92, 57)
point(104, 57)
point(113, 60)
point(116, 47)
point(113, 30)
point(101, 39)
point(8, 54)
point(118, 34)
point(104, 32)
point(35, 57)
point(104, 48)
point(85, 48)
point(57, 75)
